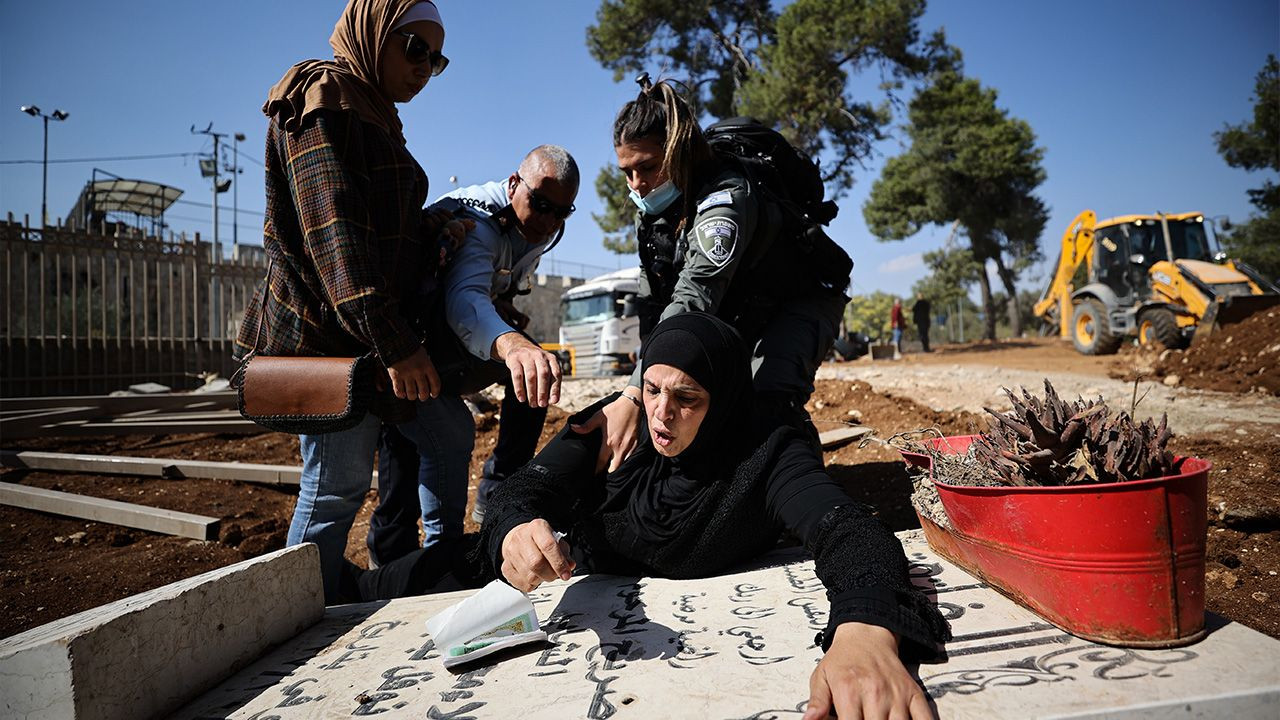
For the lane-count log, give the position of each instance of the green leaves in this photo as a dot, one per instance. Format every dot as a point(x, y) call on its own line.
point(618, 219)
point(952, 271)
point(1256, 146)
point(969, 163)
point(869, 314)
point(801, 85)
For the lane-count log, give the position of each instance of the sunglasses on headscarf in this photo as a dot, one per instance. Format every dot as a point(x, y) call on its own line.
point(417, 52)
point(545, 206)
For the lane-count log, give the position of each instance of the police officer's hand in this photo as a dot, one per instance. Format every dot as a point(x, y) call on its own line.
point(415, 377)
point(535, 373)
point(620, 421)
point(531, 554)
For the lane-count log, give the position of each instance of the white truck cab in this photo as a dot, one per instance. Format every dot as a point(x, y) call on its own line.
point(599, 324)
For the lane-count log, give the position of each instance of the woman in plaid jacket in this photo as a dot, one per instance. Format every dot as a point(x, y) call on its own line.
point(349, 243)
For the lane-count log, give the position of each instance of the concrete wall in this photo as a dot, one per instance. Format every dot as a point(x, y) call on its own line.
point(147, 654)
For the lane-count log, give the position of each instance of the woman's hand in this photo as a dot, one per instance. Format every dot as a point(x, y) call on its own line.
point(531, 554)
point(415, 377)
point(862, 677)
point(620, 420)
point(450, 230)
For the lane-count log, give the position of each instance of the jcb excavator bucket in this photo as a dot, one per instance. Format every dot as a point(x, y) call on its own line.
point(1230, 310)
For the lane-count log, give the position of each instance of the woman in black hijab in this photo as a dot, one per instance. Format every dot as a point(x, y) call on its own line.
point(703, 495)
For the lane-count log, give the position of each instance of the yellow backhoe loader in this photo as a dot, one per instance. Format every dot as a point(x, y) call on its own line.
point(1153, 277)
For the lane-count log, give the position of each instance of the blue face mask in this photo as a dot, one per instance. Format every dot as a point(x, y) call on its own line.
point(658, 199)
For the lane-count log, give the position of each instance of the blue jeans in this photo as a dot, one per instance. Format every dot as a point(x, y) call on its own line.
point(337, 469)
point(405, 489)
point(446, 438)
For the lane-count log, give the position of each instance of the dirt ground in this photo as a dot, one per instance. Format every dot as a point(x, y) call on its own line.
point(51, 567)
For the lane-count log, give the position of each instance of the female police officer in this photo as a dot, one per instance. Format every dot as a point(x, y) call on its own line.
point(712, 238)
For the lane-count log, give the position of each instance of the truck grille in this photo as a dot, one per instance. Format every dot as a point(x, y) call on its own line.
point(585, 341)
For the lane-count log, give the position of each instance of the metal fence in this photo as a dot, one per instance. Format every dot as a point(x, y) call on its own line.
point(93, 312)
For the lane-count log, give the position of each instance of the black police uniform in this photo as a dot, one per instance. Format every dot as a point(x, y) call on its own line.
point(738, 258)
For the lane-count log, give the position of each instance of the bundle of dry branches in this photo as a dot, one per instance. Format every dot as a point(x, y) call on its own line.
point(1053, 442)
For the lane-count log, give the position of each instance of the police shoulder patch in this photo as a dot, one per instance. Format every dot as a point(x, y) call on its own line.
point(715, 199)
point(716, 238)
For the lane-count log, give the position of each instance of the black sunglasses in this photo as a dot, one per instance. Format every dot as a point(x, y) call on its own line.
point(545, 206)
point(417, 52)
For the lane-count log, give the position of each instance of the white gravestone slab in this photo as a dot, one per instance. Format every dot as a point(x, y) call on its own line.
point(144, 655)
point(736, 646)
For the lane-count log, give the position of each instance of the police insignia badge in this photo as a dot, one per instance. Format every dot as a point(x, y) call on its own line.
point(716, 238)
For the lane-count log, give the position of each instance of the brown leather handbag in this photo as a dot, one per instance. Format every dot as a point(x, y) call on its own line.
point(306, 395)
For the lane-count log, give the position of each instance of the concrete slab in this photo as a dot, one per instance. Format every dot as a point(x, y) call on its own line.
point(146, 655)
point(737, 646)
point(152, 467)
point(169, 522)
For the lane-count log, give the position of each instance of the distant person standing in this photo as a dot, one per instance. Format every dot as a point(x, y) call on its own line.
point(896, 324)
point(920, 313)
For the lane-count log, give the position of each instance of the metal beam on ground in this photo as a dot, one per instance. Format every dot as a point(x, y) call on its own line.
point(151, 467)
point(122, 415)
point(141, 517)
point(113, 404)
point(81, 429)
point(841, 436)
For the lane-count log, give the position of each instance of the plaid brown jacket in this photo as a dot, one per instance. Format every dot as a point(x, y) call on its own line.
point(348, 263)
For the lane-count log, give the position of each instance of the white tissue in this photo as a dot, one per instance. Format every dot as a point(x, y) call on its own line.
point(495, 618)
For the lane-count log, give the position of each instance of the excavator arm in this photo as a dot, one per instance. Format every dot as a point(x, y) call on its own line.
point(1054, 305)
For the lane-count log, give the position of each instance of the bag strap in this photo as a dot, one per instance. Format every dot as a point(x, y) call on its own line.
point(262, 311)
point(237, 378)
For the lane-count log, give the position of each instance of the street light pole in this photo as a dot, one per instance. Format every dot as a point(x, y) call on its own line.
point(58, 115)
point(235, 195)
point(217, 248)
point(44, 177)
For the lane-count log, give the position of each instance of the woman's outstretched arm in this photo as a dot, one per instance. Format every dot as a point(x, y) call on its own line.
point(878, 619)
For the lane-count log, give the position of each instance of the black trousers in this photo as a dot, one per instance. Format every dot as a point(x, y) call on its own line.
point(443, 567)
point(393, 528)
point(788, 343)
point(923, 329)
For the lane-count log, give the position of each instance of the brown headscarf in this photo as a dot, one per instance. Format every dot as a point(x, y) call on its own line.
point(350, 81)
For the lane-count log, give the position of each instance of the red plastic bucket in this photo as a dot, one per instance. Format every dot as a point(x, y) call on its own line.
point(1118, 563)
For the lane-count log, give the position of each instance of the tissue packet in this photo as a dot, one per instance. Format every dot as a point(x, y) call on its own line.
point(495, 618)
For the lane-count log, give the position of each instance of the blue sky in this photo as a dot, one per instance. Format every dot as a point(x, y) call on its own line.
point(1124, 96)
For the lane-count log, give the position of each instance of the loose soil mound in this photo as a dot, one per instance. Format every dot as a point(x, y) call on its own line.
point(1241, 358)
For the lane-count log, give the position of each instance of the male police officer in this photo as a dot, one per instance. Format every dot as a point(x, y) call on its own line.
point(517, 220)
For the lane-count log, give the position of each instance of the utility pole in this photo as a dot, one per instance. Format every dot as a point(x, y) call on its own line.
point(217, 187)
point(235, 195)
